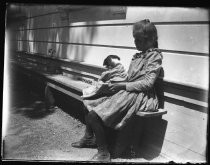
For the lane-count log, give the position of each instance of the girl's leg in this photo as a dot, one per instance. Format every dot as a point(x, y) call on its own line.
point(95, 122)
point(88, 129)
point(88, 140)
point(49, 98)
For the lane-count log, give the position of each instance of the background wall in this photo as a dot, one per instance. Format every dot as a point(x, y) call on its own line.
point(90, 34)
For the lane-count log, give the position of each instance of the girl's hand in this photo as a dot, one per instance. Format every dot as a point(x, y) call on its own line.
point(117, 87)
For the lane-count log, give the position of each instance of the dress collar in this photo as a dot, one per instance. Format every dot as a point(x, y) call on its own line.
point(152, 49)
point(143, 54)
point(139, 55)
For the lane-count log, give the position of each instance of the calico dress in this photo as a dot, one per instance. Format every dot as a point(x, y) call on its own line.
point(116, 110)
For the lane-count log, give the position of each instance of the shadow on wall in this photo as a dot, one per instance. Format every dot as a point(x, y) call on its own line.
point(31, 45)
point(63, 36)
point(75, 51)
point(66, 42)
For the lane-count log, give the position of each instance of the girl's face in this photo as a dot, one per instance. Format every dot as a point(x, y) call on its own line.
point(139, 42)
point(139, 39)
point(142, 43)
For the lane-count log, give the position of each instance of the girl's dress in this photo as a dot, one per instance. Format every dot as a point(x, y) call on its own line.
point(118, 108)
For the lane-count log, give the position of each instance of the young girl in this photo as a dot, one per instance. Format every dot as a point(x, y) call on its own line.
point(115, 73)
point(137, 94)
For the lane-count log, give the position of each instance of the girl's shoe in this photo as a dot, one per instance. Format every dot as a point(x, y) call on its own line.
point(101, 156)
point(85, 143)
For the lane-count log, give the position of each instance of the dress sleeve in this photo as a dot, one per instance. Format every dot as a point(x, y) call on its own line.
point(151, 73)
point(106, 75)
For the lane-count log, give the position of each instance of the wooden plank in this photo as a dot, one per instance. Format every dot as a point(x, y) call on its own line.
point(82, 66)
point(74, 84)
point(36, 62)
point(67, 92)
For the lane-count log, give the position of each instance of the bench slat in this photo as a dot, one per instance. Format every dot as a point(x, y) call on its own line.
point(83, 73)
point(66, 81)
point(65, 91)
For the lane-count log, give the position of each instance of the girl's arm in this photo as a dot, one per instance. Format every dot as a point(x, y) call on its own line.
point(104, 76)
point(152, 72)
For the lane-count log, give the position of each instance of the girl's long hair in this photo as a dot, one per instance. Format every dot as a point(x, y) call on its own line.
point(148, 30)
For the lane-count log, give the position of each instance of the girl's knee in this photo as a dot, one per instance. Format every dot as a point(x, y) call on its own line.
point(85, 110)
point(92, 117)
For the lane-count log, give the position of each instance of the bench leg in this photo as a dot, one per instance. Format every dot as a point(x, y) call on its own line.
point(124, 138)
point(137, 136)
point(49, 98)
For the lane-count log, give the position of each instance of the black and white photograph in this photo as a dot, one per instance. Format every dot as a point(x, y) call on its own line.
point(105, 83)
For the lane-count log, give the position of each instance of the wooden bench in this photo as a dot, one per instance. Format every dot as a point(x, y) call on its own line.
point(70, 78)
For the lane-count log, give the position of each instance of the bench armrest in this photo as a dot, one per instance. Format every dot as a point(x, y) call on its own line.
point(160, 112)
